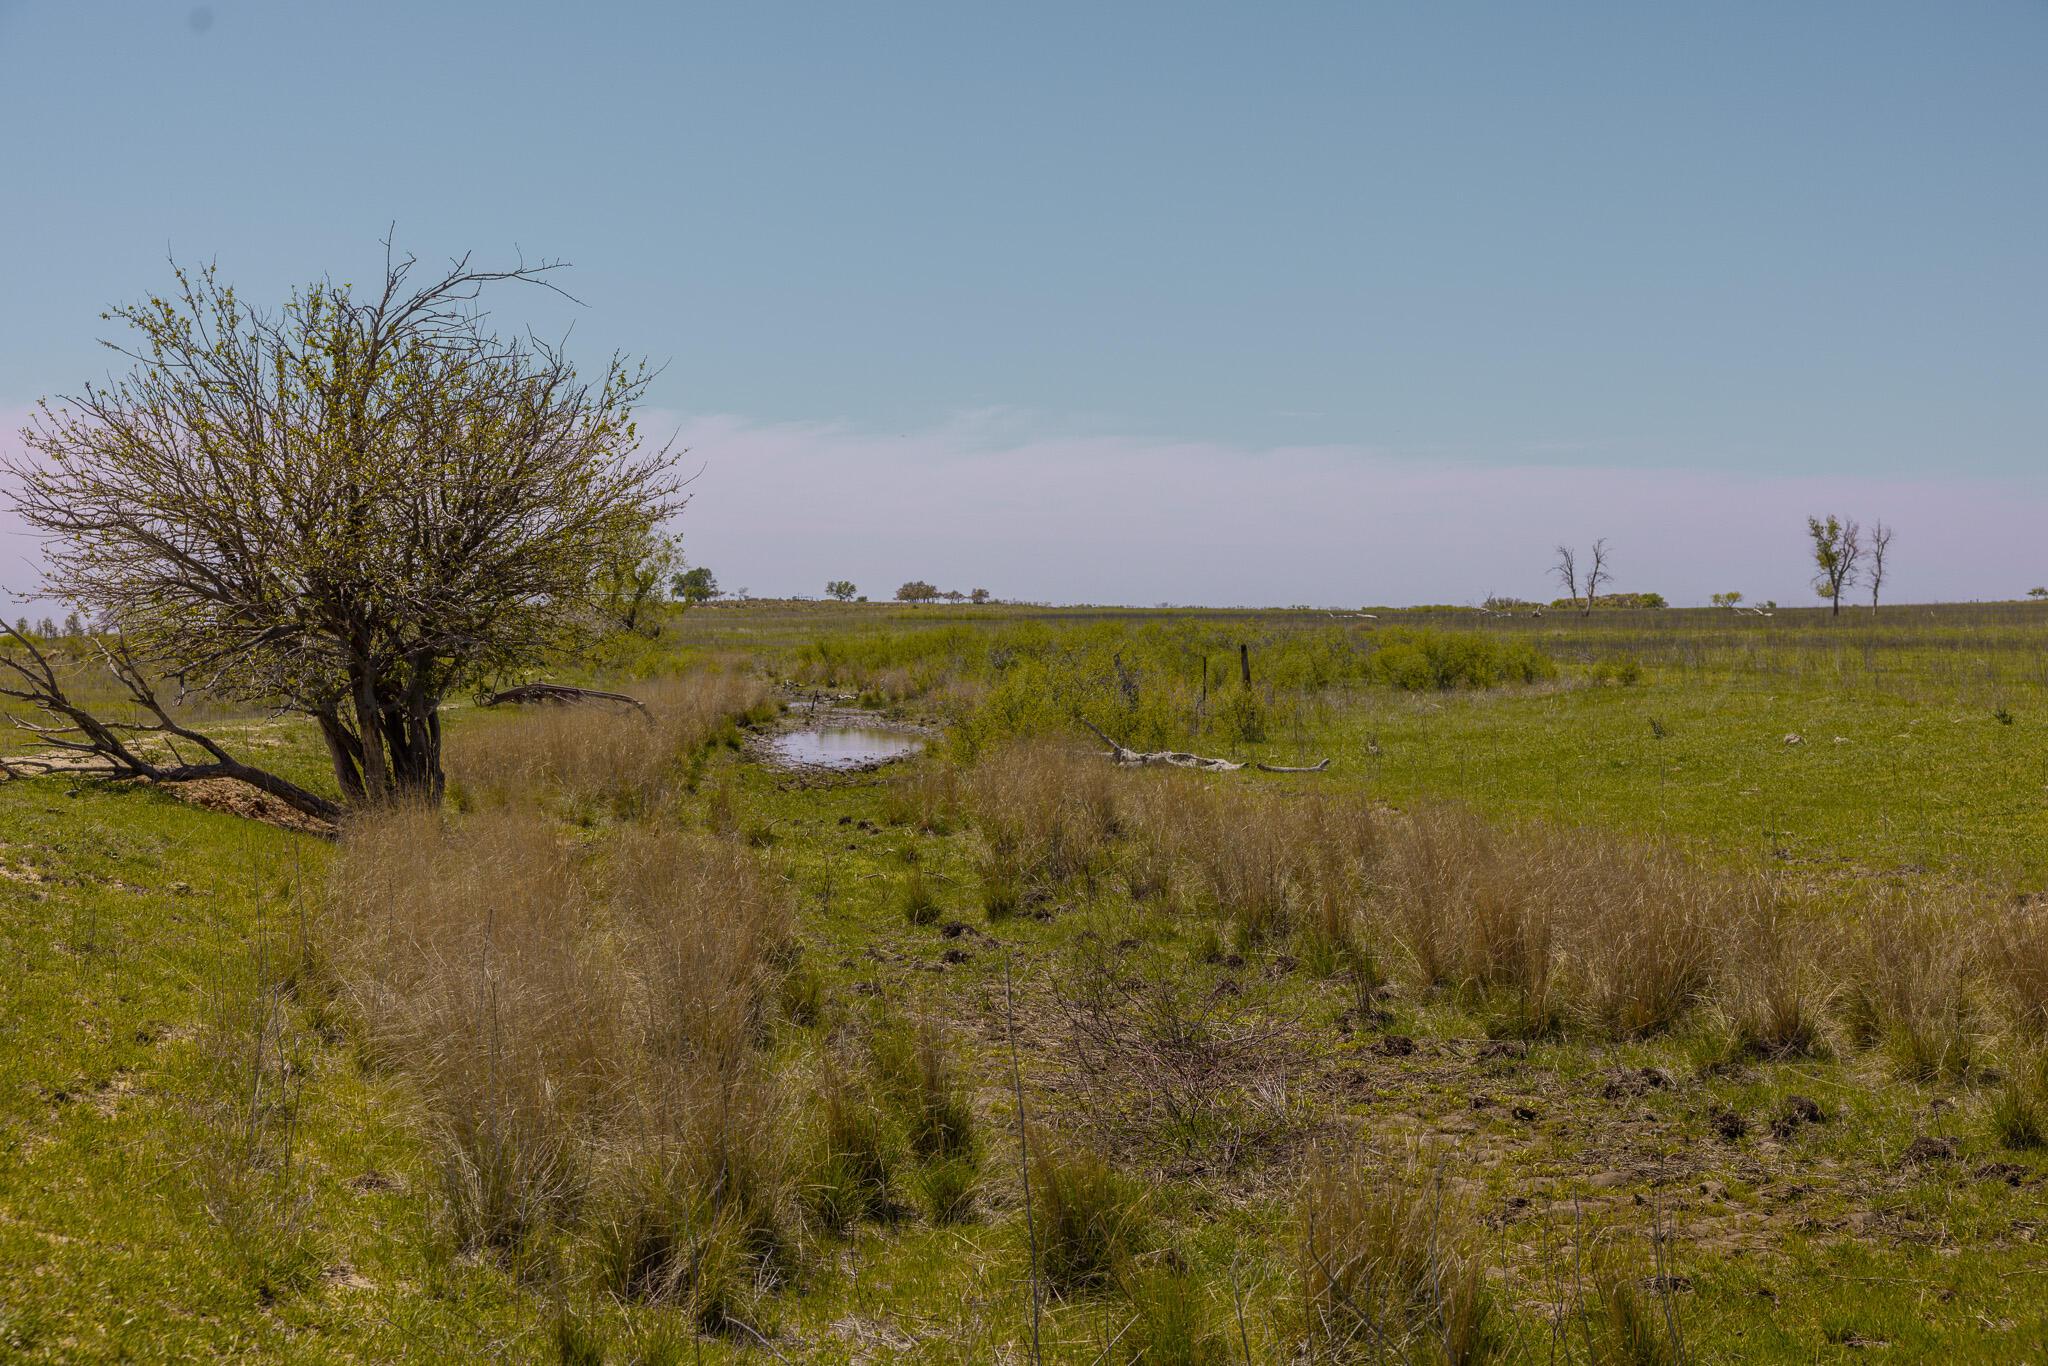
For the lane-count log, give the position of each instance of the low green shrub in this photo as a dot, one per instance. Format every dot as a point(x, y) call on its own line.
point(1623, 671)
point(1428, 660)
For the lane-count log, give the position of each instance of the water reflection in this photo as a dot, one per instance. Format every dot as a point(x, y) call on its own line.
point(841, 746)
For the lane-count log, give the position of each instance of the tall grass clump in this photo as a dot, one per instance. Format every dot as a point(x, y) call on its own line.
point(2017, 959)
point(1624, 1323)
point(666, 1226)
point(1554, 928)
point(1775, 980)
point(1911, 970)
point(1172, 1323)
point(926, 798)
point(584, 1028)
point(2019, 1112)
point(1270, 862)
point(1088, 1218)
point(248, 1167)
point(915, 897)
point(855, 1158)
point(1641, 945)
point(1474, 915)
point(1232, 854)
point(1046, 815)
point(921, 1081)
point(601, 756)
point(1390, 1267)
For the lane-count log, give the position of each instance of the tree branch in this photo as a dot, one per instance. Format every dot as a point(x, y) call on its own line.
point(82, 732)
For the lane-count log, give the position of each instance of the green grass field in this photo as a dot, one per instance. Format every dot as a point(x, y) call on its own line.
point(209, 1154)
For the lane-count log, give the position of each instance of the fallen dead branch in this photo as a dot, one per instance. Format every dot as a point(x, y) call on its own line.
point(559, 694)
point(82, 742)
point(1124, 754)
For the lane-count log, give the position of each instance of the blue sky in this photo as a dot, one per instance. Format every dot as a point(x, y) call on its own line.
point(1234, 264)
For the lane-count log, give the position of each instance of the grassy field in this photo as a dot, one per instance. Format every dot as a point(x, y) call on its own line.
point(1670, 986)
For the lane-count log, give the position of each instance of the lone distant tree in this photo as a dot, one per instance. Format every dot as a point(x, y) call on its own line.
point(1566, 569)
point(842, 589)
point(978, 595)
point(2038, 594)
point(635, 578)
point(1837, 546)
point(696, 585)
point(349, 509)
point(917, 590)
point(1880, 542)
point(1727, 599)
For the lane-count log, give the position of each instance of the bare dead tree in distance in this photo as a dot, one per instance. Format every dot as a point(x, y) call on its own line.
point(348, 509)
point(1566, 568)
point(1567, 571)
point(1596, 574)
point(1880, 542)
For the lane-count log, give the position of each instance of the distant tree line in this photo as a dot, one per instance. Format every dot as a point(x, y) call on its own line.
point(917, 590)
point(72, 628)
point(1845, 556)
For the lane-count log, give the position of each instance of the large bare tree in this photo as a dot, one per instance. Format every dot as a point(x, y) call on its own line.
point(349, 508)
point(1837, 547)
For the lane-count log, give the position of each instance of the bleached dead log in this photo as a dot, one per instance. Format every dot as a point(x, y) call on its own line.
point(1123, 754)
point(560, 694)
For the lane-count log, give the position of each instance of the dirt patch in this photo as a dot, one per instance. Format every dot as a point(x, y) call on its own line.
point(237, 798)
point(230, 795)
point(1927, 1149)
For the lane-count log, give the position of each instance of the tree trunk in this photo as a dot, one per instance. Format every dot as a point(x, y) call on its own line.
point(346, 755)
point(420, 776)
point(370, 734)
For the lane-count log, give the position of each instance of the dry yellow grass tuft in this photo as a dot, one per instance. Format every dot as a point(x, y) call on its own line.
point(584, 1029)
point(1046, 814)
point(1390, 1268)
point(1546, 930)
point(601, 754)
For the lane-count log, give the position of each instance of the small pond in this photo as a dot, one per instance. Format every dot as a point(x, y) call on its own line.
point(841, 746)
